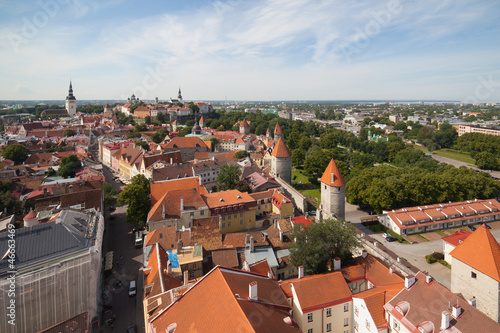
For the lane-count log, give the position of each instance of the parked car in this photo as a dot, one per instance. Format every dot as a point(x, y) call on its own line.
point(132, 289)
point(487, 226)
point(471, 227)
point(391, 238)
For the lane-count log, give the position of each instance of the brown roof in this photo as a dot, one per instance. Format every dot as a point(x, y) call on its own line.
point(371, 269)
point(220, 302)
point(425, 302)
point(167, 237)
point(237, 240)
point(330, 170)
point(225, 257)
point(480, 251)
point(244, 123)
point(375, 298)
point(205, 232)
point(280, 149)
point(156, 275)
point(186, 142)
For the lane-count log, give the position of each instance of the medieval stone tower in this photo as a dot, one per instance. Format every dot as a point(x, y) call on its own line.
point(71, 101)
point(332, 193)
point(244, 127)
point(281, 161)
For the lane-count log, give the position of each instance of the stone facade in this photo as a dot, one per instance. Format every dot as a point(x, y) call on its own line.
point(472, 283)
point(282, 167)
point(333, 201)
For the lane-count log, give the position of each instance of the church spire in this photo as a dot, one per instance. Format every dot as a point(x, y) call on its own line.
point(70, 92)
point(179, 96)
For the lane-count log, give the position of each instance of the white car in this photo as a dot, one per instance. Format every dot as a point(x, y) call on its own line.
point(131, 289)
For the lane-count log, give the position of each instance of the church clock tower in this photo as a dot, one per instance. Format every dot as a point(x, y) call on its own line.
point(71, 101)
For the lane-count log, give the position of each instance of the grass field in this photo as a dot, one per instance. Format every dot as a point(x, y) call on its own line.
point(313, 193)
point(300, 177)
point(455, 155)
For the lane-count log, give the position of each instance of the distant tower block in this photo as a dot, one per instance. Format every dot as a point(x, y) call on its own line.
point(278, 132)
point(244, 127)
point(71, 101)
point(332, 193)
point(281, 161)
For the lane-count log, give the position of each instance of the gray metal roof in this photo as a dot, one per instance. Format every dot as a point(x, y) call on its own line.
point(261, 252)
point(72, 232)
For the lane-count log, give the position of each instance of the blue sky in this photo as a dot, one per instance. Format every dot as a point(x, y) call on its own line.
point(251, 50)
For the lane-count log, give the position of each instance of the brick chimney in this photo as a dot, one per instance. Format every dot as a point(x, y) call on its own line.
point(364, 253)
point(301, 272)
point(179, 246)
point(252, 291)
point(163, 211)
point(456, 311)
point(251, 245)
point(185, 275)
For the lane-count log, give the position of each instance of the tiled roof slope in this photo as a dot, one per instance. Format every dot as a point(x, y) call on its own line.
point(427, 301)
point(321, 291)
point(281, 150)
point(277, 129)
point(332, 168)
point(457, 237)
point(158, 189)
point(480, 251)
point(375, 299)
point(219, 302)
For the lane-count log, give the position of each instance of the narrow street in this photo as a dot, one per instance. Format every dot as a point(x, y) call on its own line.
point(119, 238)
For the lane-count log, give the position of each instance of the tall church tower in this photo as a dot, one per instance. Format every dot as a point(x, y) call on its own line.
point(332, 193)
point(179, 96)
point(71, 101)
point(281, 161)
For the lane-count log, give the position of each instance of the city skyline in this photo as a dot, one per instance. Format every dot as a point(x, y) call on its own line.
point(259, 50)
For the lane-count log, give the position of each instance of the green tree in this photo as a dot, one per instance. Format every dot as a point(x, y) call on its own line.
point(215, 141)
point(241, 154)
point(320, 243)
point(136, 196)
point(17, 153)
point(228, 178)
point(159, 136)
point(298, 157)
point(109, 195)
point(69, 132)
point(143, 144)
point(486, 161)
point(160, 117)
point(68, 166)
point(316, 162)
point(147, 120)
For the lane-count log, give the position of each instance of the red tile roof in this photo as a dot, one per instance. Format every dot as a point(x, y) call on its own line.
point(375, 299)
point(277, 129)
point(457, 238)
point(219, 302)
point(332, 169)
point(170, 203)
point(480, 251)
point(244, 123)
point(158, 189)
point(226, 198)
point(280, 149)
point(301, 220)
point(321, 291)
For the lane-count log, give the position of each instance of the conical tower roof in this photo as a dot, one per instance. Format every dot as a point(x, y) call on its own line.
point(281, 150)
point(335, 180)
point(277, 129)
point(480, 251)
point(244, 123)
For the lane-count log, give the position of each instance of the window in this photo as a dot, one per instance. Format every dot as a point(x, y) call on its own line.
point(223, 225)
point(395, 325)
point(191, 214)
point(202, 212)
point(328, 312)
point(241, 222)
point(191, 275)
point(229, 224)
point(241, 214)
point(235, 215)
point(223, 217)
point(310, 330)
point(329, 327)
point(367, 325)
point(346, 307)
point(346, 321)
point(309, 317)
point(473, 275)
point(356, 311)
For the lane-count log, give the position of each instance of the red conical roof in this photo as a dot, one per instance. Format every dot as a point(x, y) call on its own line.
point(281, 150)
point(244, 123)
point(30, 216)
point(337, 180)
point(480, 251)
point(277, 129)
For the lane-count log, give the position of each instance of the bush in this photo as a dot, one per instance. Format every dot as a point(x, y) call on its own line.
point(430, 259)
point(438, 256)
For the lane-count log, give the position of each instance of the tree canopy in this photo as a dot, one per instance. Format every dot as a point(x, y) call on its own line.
point(229, 179)
point(17, 153)
point(68, 166)
point(319, 243)
point(109, 195)
point(69, 132)
point(136, 196)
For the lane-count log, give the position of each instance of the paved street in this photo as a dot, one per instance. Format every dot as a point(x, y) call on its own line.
point(458, 164)
point(128, 260)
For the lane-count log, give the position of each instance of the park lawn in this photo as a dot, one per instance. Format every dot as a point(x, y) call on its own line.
point(300, 177)
point(453, 154)
point(316, 192)
point(422, 148)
